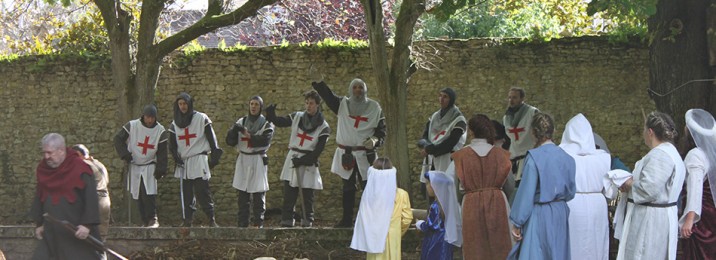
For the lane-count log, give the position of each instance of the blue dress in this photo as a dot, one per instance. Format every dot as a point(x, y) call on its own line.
point(540, 206)
point(434, 245)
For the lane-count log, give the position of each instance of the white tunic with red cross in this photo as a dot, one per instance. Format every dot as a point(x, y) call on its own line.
point(143, 143)
point(193, 147)
point(353, 131)
point(303, 141)
point(437, 136)
point(250, 174)
point(522, 139)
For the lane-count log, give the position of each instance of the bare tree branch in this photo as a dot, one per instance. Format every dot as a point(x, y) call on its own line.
point(209, 23)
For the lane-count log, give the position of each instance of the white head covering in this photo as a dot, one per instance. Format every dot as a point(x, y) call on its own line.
point(444, 187)
point(702, 126)
point(375, 212)
point(578, 138)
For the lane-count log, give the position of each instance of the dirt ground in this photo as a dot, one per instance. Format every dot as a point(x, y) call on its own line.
point(291, 248)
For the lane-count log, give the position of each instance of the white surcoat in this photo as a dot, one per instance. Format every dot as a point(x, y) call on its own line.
point(251, 175)
point(193, 148)
point(143, 143)
point(437, 136)
point(520, 136)
point(352, 131)
point(302, 141)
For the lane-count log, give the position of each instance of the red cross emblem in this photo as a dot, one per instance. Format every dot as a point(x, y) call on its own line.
point(187, 137)
point(303, 137)
point(248, 141)
point(516, 131)
point(145, 145)
point(439, 134)
point(358, 120)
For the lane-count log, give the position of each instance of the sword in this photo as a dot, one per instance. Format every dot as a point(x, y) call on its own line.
point(129, 194)
point(299, 177)
point(93, 241)
point(181, 190)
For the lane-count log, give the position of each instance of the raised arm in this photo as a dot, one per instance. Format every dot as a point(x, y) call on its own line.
point(284, 121)
point(332, 100)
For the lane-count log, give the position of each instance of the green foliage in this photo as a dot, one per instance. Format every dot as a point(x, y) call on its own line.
point(236, 48)
point(628, 17)
point(537, 20)
point(77, 28)
point(222, 45)
point(351, 44)
point(284, 43)
point(54, 30)
point(193, 48)
point(445, 9)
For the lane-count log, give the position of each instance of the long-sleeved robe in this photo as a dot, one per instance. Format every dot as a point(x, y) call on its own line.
point(399, 223)
point(434, 246)
point(588, 219)
point(540, 207)
point(58, 242)
point(650, 227)
point(702, 243)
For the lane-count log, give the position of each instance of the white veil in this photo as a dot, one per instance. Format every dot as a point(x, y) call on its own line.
point(444, 187)
point(702, 126)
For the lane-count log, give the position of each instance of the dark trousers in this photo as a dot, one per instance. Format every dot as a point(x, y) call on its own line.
point(258, 199)
point(349, 194)
point(290, 195)
point(200, 188)
point(147, 204)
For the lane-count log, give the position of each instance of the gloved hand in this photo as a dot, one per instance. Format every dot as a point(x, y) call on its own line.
point(369, 142)
point(127, 158)
point(214, 157)
point(159, 175)
point(296, 162)
point(237, 128)
point(422, 143)
point(314, 74)
point(419, 223)
point(177, 160)
point(270, 110)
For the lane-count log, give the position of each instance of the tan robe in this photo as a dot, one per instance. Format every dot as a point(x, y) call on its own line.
point(485, 226)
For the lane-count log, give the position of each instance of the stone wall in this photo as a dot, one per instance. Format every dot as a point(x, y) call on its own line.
point(564, 77)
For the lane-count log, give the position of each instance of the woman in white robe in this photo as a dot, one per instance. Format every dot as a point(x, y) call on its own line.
point(588, 220)
point(650, 229)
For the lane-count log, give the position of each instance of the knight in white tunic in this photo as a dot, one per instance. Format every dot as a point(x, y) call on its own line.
point(361, 129)
point(142, 143)
point(588, 215)
point(300, 173)
point(251, 135)
point(193, 145)
point(650, 225)
point(518, 121)
point(444, 133)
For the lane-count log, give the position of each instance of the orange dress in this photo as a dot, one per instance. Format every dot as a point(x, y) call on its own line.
point(485, 226)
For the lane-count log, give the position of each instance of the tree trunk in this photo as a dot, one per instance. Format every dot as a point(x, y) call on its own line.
point(148, 63)
point(116, 21)
point(392, 82)
point(678, 53)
